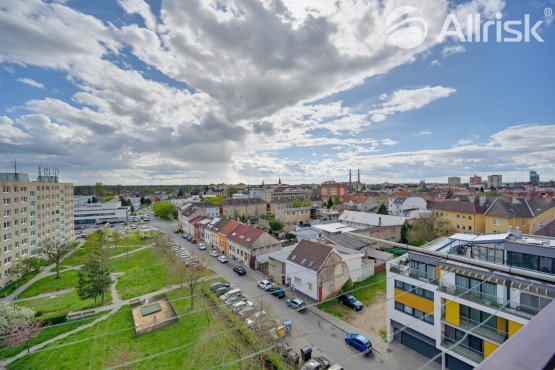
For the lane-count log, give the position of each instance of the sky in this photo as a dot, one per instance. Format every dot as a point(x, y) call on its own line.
point(202, 91)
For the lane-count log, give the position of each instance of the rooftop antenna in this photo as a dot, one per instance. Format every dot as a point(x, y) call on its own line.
point(16, 176)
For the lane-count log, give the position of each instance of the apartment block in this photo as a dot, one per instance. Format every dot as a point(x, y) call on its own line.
point(332, 189)
point(458, 311)
point(32, 211)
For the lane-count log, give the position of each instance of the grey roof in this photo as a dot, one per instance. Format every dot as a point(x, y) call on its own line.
point(310, 255)
point(348, 241)
point(379, 255)
point(518, 207)
point(547, 229)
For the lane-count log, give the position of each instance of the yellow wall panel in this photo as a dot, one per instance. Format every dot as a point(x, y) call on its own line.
point(514, 327)
point(489, 348)
point(501, 325)
point(414, 301)
point(452, 312)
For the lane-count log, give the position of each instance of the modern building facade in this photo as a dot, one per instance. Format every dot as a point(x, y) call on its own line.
point(31, 212)
point(98, 213)
point(495, 181)
point(460, 310)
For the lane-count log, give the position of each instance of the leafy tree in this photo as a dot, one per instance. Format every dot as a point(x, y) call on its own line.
point(306, 202)
point(99, 189)
point(330, 203)
point(231, 190)
point(336, 200)
point(180, 193)
point(94, 200)
point(428, 228)
point(404, 234)
point(108, 198)
point(275, 226)
point(11, 314)
point(382, 210)
point(143, 200)
point(263, 216)
point(94, 277)
point(27, 265)
point(164, 209)
point(54, 250)
point(297, 203)
point(215, 200)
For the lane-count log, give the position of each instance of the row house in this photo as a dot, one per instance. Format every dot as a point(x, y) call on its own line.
point(210, 238)
point(293, 216)
point(246, 243)
point(186, 214)
point(199, 227)
point(460, 312)
point(190, 227)
point(517, 212)
point(224, 231)
point(464, 215)
point(249, 207)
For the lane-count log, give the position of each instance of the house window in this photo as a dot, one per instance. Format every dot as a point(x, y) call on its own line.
point(310, 286)
point(298, 281)
point(458, 216)
point(523, 223)
point(464, 217)
point(497, 222)
point(6, 189)
point(470, 217)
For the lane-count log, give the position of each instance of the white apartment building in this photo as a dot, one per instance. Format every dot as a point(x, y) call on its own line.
point(31, 212)
point(97, 213)
point(459, 310)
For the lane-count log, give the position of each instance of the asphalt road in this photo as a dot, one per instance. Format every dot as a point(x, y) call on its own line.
point(319, 333)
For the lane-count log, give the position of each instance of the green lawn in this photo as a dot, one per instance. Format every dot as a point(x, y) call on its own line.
point(62, 303)
point(101, 348)
point(68, 279)
point(368, 291)
point(44, 335)
point(11, 288)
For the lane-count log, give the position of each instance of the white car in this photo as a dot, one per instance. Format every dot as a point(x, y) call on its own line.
point(265, 284)
point(214, 254)
point(143, 227)
point(201, 246)
point(222, 259)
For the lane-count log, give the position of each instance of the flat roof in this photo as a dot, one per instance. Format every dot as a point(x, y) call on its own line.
point(150, 309)
point(336, 227)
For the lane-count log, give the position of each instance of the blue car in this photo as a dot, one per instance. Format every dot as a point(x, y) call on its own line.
point(359, 342)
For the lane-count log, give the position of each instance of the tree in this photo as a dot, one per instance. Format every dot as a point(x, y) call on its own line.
point(11, 314)
point(330, 203)
point(481, 189)
point(428, 228)
point(297, 203)
point(27, 265)
point(94, 278)
point(231, 190)
point(404, 234)
point(275, 226)
point(22, 332)
point(382, 210)
point(143, 200)
point(99, 189)
point(54, 250)
point(306, 202)
point(180, 193)
point(164, 210)
point(194, 274)
point(336, 200)
point(89, 201)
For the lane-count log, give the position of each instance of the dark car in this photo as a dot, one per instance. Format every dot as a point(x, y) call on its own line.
point(277, 292)
point(216, 286)
point(350, 301)
point(297, 304)
point(239, 270)
point(221, 291)
point(359, 342)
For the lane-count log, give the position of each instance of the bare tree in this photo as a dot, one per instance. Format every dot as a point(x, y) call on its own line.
point(194, 274)
point(428, 228)
point(54, 250)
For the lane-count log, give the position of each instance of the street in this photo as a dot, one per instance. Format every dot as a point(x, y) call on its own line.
point(313, 328)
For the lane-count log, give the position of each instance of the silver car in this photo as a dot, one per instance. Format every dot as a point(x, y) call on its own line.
point(238, 306)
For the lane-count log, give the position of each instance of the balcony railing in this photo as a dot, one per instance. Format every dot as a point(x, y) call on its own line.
point(480, 329)
point(406, 270)
point(463, 350)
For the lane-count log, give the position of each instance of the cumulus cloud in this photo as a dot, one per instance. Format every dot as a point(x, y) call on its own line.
point(423, 133)
point(450, 50)
point(404, 100)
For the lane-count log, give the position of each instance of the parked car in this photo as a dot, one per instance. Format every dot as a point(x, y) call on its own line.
point(193, 241)
point(184, 236)
point(201, 246)
point(350, 301)
point(265, 284)
point(359, 342)
point(336, 367)
point(276, 292)
point(246, 311)
point(316, 363)
point(214, 253)
point(216, 286)
point(222, 259)
point(239, 270)
point(143, 227)
point(234, 299)
point(238, 306)
point(189, 238)
point(221, 291)
point(297, 304)
point(256, 317)
point(231, 293)
point(176, 231)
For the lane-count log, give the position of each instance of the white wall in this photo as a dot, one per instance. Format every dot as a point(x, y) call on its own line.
point(307, 276)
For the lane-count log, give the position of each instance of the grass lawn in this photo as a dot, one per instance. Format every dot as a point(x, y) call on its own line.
point(192, 334)
point(368, 291)
point(63, 303)
point(68, 279)
point(44, 335)
point(10, 288)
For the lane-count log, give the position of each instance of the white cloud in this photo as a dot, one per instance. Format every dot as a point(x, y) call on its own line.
point(464, 142)
point(423, 133)
point(454, 49)
point(405, 100)
point(435, 62)
point(389, 142)
point(31, 82)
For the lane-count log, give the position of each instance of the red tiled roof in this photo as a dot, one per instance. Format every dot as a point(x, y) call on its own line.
point(228, 227)
point(245, 235)
point(310, 255)
point(194, 220)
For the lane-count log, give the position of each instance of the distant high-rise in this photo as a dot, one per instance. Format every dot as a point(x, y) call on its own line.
point(476, 180)
point(454, 181)
point(534, 177)
point(495, 181)
point(32, 212)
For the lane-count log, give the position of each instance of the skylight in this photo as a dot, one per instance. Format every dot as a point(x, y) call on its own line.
point(293, 258)
point(303, 261)
point(311, 264)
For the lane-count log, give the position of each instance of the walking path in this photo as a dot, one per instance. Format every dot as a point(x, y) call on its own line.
point(45, 295)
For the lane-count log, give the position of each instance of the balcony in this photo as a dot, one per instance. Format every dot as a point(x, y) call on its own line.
point(406, 270)
point(484, 331)
point(494, 302)
point(463, 350)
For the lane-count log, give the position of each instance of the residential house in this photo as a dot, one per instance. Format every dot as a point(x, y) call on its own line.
point(199, 227)
point(388, 233)
point(466, 215)
point(190, 229)
point(250, 207)
point(224, 229)
point(185, 214)
point(276, 262)
point(407, 207)
point(246, 243)
point(293, 216)
point(207, 208)
point(211, 237)
point(362, 220)
point(316, 271)
point(517, 212)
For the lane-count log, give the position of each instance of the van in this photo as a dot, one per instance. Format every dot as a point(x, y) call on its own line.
point(231, 293)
